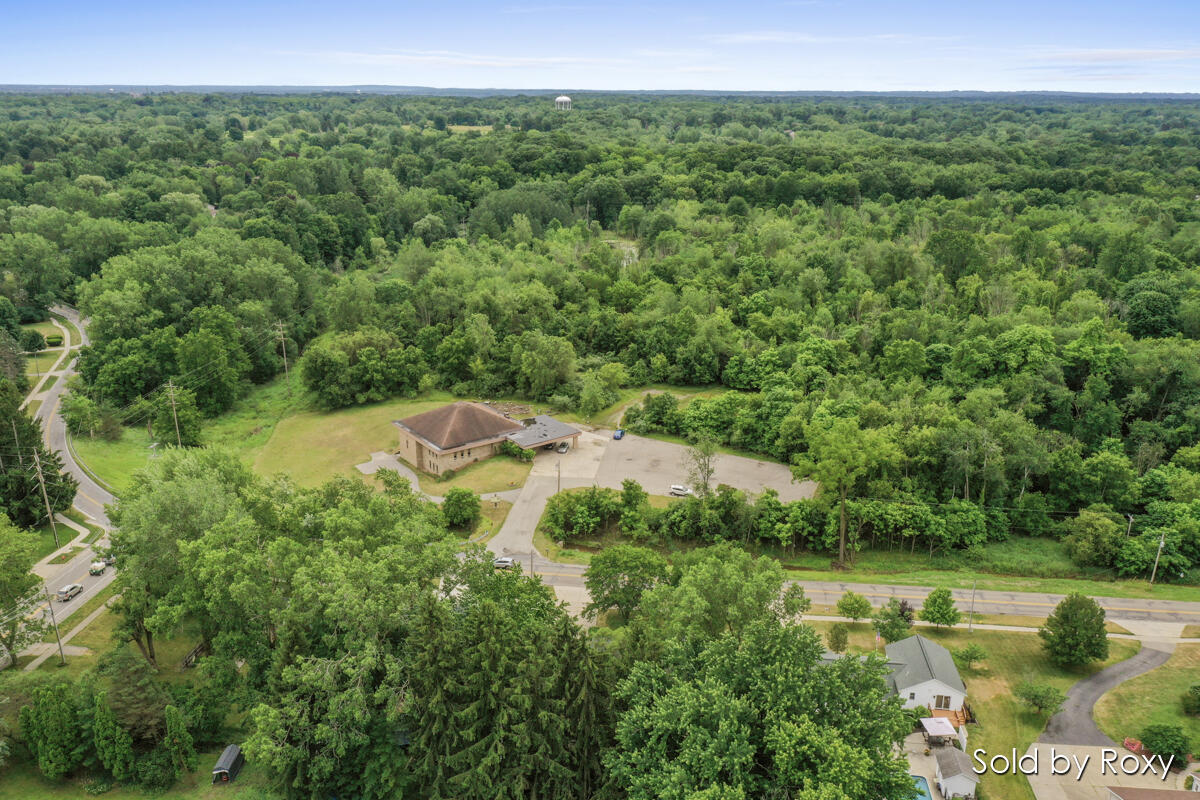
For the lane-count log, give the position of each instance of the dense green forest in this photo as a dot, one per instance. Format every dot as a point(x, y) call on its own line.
point(1001, 298)
point(965, 319)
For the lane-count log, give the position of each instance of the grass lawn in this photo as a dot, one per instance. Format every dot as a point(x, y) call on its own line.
point(1191, 631)
point(49, 383)
point(114, 463)
point(45, 540)
point(98, 637)
point(496, 474)
point(33, 408)
point(1003, 722)
point(491, 519)
point(1153, 698)
point(22, 781)
point(333, 442)
point(40, 363)
point(63, 558)
point(44, 328)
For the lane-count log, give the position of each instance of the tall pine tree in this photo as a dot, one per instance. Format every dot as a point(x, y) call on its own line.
point(20, 494)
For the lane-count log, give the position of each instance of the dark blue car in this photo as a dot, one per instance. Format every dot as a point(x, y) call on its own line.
point(619, 433)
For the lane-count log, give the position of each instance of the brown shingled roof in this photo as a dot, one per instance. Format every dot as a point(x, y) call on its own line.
point(459, 424)
point(1139, 793)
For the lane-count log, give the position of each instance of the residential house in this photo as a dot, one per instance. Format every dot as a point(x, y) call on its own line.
point(924, 674)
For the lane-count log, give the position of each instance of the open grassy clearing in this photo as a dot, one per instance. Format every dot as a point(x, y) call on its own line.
point(44, 328)
point(277, 433)
point(23, 782)
point(1003, 722)
point(113, 463)
point(1153, 698)
point(41, 363)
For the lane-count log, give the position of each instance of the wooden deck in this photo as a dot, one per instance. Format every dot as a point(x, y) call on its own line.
point(957, 717)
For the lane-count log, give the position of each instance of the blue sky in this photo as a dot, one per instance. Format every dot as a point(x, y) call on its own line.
point(1099, 45)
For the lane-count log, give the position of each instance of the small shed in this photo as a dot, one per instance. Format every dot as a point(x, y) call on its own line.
point(955, 775)
point(229, 764)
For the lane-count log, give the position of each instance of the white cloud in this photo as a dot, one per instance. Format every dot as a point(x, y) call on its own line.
point(451, 58)
point(1097, 56)
point(800, 37)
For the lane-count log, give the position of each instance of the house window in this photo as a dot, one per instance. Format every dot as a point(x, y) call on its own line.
point(912, 695)
point(941, 701)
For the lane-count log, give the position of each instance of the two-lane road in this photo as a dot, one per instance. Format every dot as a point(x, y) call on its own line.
point(1026, 604)
point(91, 497)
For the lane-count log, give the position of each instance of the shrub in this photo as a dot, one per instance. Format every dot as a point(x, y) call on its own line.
point(1191, 700)
point(1043, 698)
point(1166, 741)
point(520, 453)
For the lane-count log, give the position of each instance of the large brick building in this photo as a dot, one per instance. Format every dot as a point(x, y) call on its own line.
point(461, 433)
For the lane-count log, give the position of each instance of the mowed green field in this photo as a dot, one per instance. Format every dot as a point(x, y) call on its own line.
point(1153, 698)
point(1003, 723)
point(275, 432)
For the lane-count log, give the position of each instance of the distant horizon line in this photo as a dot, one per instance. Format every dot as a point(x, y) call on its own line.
point(384, 89)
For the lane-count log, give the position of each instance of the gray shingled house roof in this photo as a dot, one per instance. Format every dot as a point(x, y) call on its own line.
point(919, 660)
point(953, 762)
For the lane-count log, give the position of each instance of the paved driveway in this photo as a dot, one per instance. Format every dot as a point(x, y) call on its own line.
point(1074, 724)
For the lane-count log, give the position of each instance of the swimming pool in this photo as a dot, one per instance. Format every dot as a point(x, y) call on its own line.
point(922, 787)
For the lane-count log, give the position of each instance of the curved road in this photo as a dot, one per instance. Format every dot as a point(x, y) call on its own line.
point(91, 497)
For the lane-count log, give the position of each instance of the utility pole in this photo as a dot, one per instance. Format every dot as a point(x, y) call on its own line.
point(174, 414)
point(50, 604)
point(1161, 541)
point(42, 481)
point(971, 616)
point(283, 345)
point(17, 440)
point(1129, 530)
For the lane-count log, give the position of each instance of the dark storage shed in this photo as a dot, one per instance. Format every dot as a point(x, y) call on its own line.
point(229, 764)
